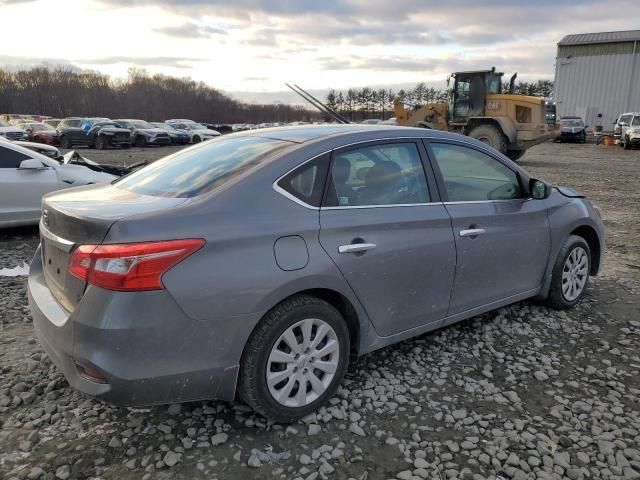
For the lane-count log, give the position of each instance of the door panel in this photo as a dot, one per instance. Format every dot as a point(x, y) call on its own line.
point(22, 191)
point(405, 280)
point(502, 239)
point(508, 256)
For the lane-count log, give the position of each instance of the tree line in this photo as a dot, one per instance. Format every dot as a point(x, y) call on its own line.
point(357, 104)
point(62, 92)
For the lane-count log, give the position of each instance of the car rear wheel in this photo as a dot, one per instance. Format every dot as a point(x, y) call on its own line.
point(570, 273)
point(141, 141)
point(196, 139)
point(295, 359)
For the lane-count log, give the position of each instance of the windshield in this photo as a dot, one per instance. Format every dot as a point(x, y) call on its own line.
point(636, 122)
point(141, 124)
point(194, 125)
point(37, 127)
point(571, 122)
point(200, 169)
point(4, 124)
point(166, 126)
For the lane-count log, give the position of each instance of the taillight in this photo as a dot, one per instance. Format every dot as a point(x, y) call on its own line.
point(130, 266)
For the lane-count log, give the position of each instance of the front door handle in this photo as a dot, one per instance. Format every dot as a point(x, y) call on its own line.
point(472, 232)
point(356, 247)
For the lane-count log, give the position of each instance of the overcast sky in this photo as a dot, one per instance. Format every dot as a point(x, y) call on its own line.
point(250, 48)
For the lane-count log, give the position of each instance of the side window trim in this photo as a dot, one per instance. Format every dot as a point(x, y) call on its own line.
point(431, 183)
point(440, 178)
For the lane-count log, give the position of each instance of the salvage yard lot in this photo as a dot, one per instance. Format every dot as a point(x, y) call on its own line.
point(522, 392)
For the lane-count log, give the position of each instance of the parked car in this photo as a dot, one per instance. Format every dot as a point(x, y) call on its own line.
point(572, 129)
point(258, 264)
point(143, 133)
point(178, 137)
point(627, 129)
point(197, 132)
point(40, 132)
point(25, 176)
point(94, 132)
point(54, 122)
point(10, 132)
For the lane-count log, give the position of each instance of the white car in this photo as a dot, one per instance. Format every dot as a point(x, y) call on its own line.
point(25, 176)
point(197, 132)
point(629, 128)
point(11, 132)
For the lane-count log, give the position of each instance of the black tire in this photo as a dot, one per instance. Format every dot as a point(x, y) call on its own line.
point(102, 143)
point(515, 154)
point(556, 298)
point(627, 142)
point(126, 145)
point(65, 142)
point(196, 139)
point(490, 135)
point(252, 383)
point(583, 138)
point(141, 141)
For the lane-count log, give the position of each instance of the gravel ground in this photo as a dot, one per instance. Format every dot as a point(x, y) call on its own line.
point(522, 392)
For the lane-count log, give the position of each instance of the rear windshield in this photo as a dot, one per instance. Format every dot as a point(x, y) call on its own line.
point(200, 169)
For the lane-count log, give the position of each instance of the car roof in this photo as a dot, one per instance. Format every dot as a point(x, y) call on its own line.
point(308, 133)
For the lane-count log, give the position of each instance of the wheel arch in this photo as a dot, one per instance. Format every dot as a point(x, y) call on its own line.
point(590, 236)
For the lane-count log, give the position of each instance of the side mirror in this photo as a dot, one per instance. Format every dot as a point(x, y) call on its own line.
point(538, 189)
point(32, 164)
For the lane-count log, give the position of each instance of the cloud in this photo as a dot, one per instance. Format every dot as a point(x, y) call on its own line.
point(175, 62)
point(190, 30)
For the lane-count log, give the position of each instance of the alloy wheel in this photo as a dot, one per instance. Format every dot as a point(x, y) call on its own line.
point(303, 362)
point(575, 273)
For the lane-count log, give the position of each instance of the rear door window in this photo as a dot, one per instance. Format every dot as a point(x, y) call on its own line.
point(383, 174)
point(199, 170)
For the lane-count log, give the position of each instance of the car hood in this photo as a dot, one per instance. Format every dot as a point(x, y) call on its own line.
point(78, 175)
point(46, 133)
point(11, 129)
point(151, 131)
point(568, 192)
point(206, 131)
point(571, 129)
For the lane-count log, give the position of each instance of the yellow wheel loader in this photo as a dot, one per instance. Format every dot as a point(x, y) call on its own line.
point(478, 108)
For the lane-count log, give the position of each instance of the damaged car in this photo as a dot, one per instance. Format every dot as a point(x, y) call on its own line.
point(177, 136)
point(11, 132)
point(40, 132)
point(143, 133)
point(572, 129)
point(94, 132)
point(26, 175)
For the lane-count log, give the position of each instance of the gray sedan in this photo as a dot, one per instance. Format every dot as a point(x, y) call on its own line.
point(258, 263)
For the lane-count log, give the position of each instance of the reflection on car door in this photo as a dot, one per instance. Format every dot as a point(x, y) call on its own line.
point(22, 190)
point(391, 243)
point(502, 238)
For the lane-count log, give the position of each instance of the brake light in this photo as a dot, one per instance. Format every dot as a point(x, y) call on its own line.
point(130, 266)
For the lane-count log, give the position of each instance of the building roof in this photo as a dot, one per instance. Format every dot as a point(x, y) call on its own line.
point(601, 37)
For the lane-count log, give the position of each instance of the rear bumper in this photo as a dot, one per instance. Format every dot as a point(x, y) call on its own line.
point(146, 348)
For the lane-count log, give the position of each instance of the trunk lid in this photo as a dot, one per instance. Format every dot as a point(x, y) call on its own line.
point(83, 216)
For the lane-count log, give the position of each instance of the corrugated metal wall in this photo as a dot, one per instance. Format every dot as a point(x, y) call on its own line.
point(601, 78)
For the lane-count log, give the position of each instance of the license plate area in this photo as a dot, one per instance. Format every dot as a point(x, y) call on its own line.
point(56, 268)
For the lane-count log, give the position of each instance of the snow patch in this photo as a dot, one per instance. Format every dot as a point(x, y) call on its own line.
point(18, 271)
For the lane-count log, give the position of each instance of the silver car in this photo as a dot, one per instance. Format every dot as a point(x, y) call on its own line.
point(258, 263)
point(26, 175)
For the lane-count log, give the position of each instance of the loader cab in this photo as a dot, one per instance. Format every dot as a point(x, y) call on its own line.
point(469, 92)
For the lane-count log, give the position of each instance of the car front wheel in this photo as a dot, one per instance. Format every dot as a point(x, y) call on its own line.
point(570, 273)
point(295, 359)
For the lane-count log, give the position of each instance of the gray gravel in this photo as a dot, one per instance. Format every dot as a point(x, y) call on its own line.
point(522, 393)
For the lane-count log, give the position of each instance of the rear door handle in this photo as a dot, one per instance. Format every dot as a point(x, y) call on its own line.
point(356, 247)
point(472, 232)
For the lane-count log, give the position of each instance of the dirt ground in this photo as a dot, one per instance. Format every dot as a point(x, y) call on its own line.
point(522, 392)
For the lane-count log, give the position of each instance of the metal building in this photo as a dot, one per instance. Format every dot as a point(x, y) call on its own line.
point(598, 73)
